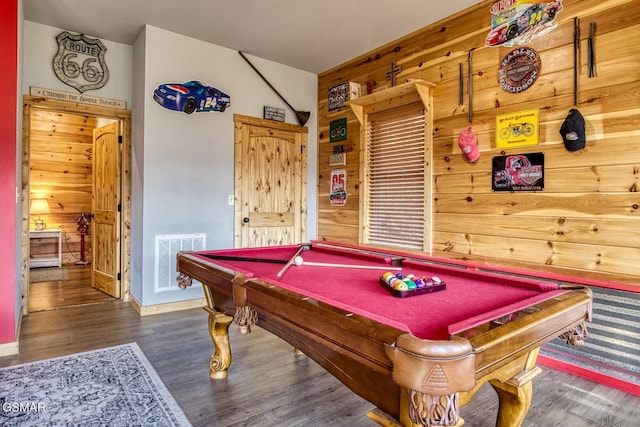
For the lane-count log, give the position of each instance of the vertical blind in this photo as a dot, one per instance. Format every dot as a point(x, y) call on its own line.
point(395, 177)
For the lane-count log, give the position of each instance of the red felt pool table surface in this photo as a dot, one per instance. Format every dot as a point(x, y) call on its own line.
point(471, 297)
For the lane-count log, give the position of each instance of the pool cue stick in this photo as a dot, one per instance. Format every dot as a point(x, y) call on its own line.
point(396, 260)
point(290, 262)
point(242, 258)
point(367, 267)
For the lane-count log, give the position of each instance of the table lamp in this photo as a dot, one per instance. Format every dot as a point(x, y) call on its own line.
point(39, 207)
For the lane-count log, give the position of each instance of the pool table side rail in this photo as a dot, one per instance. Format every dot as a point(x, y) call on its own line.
point(211, 275)
point(463, 264)
point(496, 345)
point(349, 346)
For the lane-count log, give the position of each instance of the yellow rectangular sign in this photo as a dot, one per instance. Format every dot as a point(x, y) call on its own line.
point(517, 129)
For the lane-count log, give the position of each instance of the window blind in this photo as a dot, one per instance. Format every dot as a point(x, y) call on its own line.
point(395, 177)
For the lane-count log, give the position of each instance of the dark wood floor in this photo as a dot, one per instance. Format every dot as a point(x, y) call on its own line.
point(74, 290)
point(270, 386)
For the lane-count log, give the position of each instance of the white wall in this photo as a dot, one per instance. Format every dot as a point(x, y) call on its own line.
point(40, 47)
point(138, 96)
point(189, 159)
point(182, 165)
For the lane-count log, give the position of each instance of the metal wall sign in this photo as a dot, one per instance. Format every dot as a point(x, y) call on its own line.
point(519, 70)
point(80, 62)
point(273, 113)
point(338, 96)
point(338, 130)
point(338, 194)
point(518, 129)
point(519, 172)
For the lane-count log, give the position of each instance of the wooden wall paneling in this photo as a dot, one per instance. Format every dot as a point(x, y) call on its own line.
point(337, 222)
point(587, 179)
point(607, 232)
point(575, 259)
point(585, 221)
point(622, 152)
point(337, 225)
point(538, 204)
point(61, 152)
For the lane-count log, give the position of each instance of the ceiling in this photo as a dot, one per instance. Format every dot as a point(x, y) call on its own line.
point(311, 35)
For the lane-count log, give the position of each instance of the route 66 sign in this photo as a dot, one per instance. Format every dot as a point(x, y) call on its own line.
point(79, 62)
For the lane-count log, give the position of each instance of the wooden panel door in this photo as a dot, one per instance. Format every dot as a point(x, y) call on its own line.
point(270, 175)
point(106, 218)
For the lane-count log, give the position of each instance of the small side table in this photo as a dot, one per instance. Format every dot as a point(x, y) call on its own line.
point(46, 261)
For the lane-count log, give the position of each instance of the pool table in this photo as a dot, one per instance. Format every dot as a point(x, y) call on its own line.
point(418, 358)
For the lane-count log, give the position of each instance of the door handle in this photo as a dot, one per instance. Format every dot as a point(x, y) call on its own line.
point(245, 220)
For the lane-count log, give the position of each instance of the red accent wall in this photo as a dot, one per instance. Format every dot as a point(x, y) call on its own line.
point(9, 79)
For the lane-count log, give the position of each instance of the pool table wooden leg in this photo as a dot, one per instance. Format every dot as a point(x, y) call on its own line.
point(386, 420)
point(433, 411)
point(220, 360)
point(516, 393)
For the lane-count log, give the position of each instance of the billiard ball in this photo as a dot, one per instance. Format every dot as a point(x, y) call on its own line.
point(394, 281)
point(400, 286)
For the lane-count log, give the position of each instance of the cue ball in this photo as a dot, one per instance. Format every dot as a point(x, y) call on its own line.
point(298, 260)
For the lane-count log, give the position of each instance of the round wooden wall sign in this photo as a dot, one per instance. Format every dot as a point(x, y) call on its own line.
point(519, 70)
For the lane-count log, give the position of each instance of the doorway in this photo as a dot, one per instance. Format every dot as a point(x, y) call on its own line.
point(58, 168)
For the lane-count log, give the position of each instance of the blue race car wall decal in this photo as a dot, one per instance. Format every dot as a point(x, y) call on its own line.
point(191, 96)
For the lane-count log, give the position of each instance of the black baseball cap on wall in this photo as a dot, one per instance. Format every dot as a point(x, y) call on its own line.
point(573, 131)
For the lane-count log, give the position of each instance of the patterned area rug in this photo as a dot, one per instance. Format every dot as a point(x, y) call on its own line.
point(49, 274)
point(114, 386)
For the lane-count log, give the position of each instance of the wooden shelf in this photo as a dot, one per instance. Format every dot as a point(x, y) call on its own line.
point(393, 97)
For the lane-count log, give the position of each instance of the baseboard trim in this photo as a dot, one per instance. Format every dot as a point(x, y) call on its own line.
point(149, 310)
point(11, 348)
point(590, 374)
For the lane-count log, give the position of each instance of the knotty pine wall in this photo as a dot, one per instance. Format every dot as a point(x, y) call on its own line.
point(60, 165)
point(586, 222)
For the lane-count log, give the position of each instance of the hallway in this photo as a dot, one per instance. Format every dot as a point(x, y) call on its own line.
point(53, 288)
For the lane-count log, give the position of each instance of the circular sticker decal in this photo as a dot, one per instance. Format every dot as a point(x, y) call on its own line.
point(519, 70)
